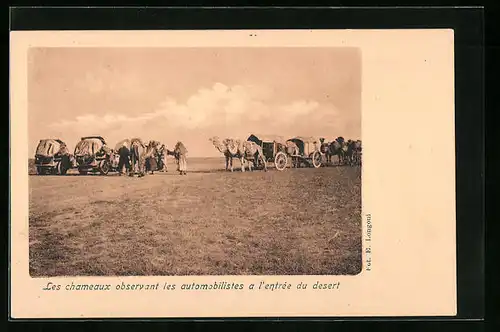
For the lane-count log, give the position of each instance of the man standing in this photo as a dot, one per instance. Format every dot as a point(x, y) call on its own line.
point(180, 153)
point(124, 155)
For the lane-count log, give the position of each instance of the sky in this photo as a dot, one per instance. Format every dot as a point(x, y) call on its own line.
point(192, 94)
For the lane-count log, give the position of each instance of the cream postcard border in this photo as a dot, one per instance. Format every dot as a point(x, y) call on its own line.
point(408, 187)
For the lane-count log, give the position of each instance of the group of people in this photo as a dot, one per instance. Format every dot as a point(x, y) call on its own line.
point(155, 158)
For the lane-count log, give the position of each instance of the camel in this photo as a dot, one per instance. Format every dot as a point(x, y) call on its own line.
point(242, 150)
point(340, 148)
point(139, 153)
point(353, 153)
point(252, 152)
point(136, 149)
point(358, 150)
point(334, 148)
point(228, 152)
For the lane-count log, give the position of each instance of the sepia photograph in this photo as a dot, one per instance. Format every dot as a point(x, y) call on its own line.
point(157, 161)
point(233, 173)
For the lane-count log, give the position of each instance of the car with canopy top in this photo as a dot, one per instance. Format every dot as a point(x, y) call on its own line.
point(93, 155)
point(52, 157)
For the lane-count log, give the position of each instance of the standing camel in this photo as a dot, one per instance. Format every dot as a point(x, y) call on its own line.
point(229, 151)
point(358, 151)
point(139, 153)
point(242, 150)
point(337, 148)
point(252, 152)
point(136, 149)
point(354, 152)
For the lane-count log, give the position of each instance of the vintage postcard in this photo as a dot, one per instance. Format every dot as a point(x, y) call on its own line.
point(297, 173)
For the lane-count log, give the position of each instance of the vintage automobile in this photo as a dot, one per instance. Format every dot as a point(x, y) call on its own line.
point(52, 157)
point(308, 151)
point(93, 155)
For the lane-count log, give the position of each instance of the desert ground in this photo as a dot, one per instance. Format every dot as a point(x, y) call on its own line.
point(210, 222)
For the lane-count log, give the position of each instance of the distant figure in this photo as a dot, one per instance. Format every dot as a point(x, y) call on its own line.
point(65, 156)
point(124, 154)
point(152, 160)
point(162, 158)
point(151, 164)
point(180, 153)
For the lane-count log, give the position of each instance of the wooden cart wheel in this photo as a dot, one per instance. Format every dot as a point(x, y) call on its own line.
point(316, 159)
point(104, 167)
point(280, 161)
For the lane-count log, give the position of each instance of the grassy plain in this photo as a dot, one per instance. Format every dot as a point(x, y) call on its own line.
point(210, 222)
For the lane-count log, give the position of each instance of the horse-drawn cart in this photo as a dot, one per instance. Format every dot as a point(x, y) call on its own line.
point(308, 151)
point(273, 149)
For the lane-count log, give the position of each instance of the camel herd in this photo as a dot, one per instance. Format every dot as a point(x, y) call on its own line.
point(348, 152)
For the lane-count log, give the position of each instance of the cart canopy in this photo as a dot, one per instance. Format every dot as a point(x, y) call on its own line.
point(305, 139)
point(306, 144)
point(96, 137)
point(259, 139)
point(48, 147)
point(89, 146)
